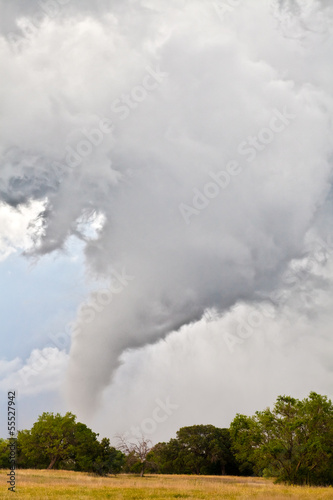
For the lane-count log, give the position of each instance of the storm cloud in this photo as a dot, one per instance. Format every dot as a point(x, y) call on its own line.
point(200, 131)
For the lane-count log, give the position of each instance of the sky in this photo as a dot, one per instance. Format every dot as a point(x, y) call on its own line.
point(166, 251)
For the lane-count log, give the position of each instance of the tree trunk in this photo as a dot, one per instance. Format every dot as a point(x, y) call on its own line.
point(142, 470)
point(53, 461)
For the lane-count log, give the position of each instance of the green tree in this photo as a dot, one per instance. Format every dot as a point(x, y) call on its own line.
point(85, 450)
point(292, 442)
point(197, 449)
point(165, 458)
point(246, 436)
point(50, 440)
point(109, 460)
point(205, 449)
point(60, 442)
point(317, 431)
point(4, 454)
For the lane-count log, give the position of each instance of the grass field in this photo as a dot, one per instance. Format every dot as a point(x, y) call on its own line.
point(41, 484)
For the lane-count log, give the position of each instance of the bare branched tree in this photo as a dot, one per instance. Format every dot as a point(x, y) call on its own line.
point(135, 451)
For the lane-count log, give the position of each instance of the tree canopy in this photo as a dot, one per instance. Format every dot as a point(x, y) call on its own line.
point(293, 442)
point(198, 449)
point(56, 441)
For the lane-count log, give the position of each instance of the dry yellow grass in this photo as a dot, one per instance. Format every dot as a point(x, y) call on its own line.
point(41, 484)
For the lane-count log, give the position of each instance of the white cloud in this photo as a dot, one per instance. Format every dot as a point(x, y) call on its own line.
point(8, 367)
point(42, 372)
point(16, 228)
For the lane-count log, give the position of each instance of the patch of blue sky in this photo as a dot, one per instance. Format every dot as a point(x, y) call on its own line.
point(40, 299)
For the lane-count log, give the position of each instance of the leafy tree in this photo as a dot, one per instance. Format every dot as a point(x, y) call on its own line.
point(4, 454)
point(50, 440)
point(109, 460)
point(85, 450)
point(292, 442)
point(165, 458)
point(245, 437)
point(317, 432)
point(56, 441)
point(198, 449)
point(205, 449)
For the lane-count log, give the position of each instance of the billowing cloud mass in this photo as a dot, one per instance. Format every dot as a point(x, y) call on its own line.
point(200, 135)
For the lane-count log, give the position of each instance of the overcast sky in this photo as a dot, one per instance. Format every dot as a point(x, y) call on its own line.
point(166, 251)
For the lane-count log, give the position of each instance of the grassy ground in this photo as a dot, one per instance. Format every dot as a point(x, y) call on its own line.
point(38, 485)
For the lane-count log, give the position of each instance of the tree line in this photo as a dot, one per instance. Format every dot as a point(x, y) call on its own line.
point(59, 442)
point(293, 442)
